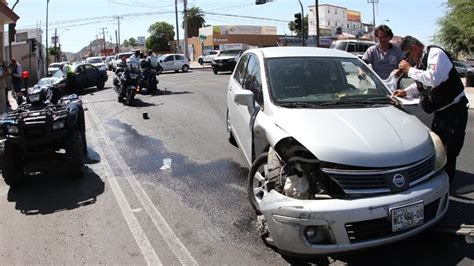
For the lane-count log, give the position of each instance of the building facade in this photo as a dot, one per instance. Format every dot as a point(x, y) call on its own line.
point(331, 17)
point(7, 16)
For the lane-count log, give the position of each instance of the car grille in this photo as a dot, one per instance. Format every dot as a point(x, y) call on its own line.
point(382, 227)
point(381, 180)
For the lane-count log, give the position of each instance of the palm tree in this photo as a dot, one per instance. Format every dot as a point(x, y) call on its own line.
point(195, 21)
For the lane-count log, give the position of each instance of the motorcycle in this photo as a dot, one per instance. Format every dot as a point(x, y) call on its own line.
point(127, 81)
point(150, 82)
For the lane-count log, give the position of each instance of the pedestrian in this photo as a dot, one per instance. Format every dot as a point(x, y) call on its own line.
point(16, 71)
point(441, 91)
point(384, 56)
point(152, 59)
point(4, 74)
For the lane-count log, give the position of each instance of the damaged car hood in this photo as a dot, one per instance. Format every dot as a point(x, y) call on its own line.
point(366, 137)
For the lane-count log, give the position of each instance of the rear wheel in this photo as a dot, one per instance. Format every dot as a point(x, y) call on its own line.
point(12, 165)
point(100, 85)
point(200, 61)
point(257, 183)
point(82, 129)
point(75, 155)
point(185, 68)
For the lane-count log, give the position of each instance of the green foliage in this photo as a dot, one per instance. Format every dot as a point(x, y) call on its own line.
point(54, 51)
point(125, 43)
point(456, 28)
point(161, 34)
point(195, 21)
point(291, 27)
point(132, 42)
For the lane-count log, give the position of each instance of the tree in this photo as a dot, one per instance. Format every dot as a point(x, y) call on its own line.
point(291, 27)
point(456, 28)
point(126, 43)
point(195, 21)
point(132, 42)
point(161, 34)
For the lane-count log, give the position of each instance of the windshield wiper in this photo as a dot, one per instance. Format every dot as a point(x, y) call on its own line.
point(300, 105)
point(347, 102)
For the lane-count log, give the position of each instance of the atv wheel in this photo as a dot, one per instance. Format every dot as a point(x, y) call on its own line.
point(75, 155)
point(257, 183)
point(12, 165)
point(82, 129)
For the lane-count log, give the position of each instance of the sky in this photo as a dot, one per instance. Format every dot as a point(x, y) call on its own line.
point(79, 21)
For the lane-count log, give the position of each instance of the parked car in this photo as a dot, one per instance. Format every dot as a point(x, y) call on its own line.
point(336, 164)
point(173, 62)
point(225, 61)
point(118, 58)
point(83, 76)
point(97, 62)
point(208, 56)
point(356, 47)
point(53, 67)
point(463, 69)
point(108, 61)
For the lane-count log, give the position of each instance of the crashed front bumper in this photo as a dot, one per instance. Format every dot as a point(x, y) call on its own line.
point(288, 218)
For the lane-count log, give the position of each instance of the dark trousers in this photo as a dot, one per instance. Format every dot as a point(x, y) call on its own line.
point(450, 125)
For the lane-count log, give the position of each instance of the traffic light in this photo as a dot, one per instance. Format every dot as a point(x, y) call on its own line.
point(33, 45)
point(298, 21)
point(11, 32)
point(338, 30)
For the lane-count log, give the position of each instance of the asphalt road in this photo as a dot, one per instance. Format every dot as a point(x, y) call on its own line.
point(171, 190)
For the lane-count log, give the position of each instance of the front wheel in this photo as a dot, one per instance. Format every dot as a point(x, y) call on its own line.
point(230, 136)
point(215, 71)
point(74, 157)
point(100, 85)
point(257, 182)
point(12, 165)
point(129, 97)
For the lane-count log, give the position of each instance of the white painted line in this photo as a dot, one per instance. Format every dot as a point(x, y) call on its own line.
point(138, 234)
point(137, 210)
point(181, 252)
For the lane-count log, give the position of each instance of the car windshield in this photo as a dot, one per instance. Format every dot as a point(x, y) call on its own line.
point(230, 53)
point(94, 60)
point(45, 82)
point(317, 80)
point(57, 65)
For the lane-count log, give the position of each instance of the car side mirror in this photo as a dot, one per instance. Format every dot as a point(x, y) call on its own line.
point(244, 97)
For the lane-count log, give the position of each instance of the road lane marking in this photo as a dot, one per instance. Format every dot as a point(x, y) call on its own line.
point(138, 234)
point(175, 244)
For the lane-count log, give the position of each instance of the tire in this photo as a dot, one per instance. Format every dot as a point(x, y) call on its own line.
point(160, 70)
point(100, 85)
point(12, 165)
point(200, 61)
point(215, 71)
point(75, 163)
point(129, 96)
point(257, 167)
point(230, 135)
point(185, 68)
point(82, 129)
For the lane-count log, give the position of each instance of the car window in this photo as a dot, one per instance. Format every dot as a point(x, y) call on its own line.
point(240, 70)
point(179, 57)
point(252, 79)
point(169, 58)
point(351, 48)
point(321, 79)
point(89, 68)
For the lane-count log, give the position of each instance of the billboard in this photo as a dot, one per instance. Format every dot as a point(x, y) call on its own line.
point(141, 40)
point(245, 30)
point(353, 16)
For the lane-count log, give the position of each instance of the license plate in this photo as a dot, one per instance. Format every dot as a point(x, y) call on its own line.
point(407, 216)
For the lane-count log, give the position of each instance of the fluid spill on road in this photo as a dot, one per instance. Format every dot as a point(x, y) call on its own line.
point(216, 188)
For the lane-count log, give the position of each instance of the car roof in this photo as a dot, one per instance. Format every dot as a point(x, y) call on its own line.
point(274, 52)
point(357, 41)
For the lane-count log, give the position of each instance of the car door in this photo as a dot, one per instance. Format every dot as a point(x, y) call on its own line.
point(179, 62)
point(80, 78)
point(246, 77)
point(91, 73)
point(168, 62)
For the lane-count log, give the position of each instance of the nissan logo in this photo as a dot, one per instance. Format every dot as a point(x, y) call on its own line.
point(398, 180)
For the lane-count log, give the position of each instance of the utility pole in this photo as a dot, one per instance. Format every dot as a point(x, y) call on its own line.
point(302, 23)
point(316, 7)
point(177, 25)
point(185, 29)
point(118, 34)
point(55, 45)
point(47, 61)
point(373, 14)
point(116, 42)
point(103, 36)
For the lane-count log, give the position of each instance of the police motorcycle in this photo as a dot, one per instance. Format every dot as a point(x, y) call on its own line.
point(127, 81)
point(150, 81)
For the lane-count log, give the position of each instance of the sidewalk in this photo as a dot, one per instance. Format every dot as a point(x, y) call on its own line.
point(196, 66)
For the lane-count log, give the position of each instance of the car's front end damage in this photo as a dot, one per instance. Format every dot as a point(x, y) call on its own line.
point(310, 206)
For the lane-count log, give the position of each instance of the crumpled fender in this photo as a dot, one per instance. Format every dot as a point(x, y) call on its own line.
point(266, 133)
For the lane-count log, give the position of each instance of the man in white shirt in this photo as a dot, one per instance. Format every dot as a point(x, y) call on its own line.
point(134, 60)
point(152, 59)
point(441, 91)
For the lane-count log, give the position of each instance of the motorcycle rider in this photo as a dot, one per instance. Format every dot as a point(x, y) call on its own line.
point(134, 60)
point(152, 59)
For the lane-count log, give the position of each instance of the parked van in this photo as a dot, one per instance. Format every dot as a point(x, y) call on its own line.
point(356, 47)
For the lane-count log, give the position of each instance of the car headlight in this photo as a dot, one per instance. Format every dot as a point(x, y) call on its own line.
point(58, 125)
point(34, 97)
point(440, 150)
point(12, 129)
